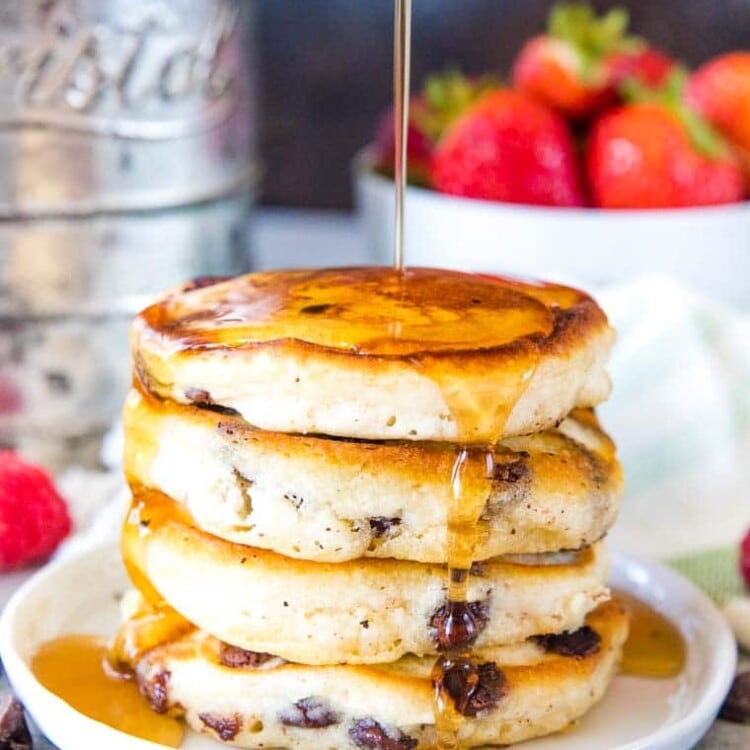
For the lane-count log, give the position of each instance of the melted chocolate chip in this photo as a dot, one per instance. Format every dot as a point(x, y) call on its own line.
point(367, 734)
point(316, 309)
point(155, 691)
point(512, 472)
point(382, 526)
point(579, 643)
point(238, 658)
point(226, 727)
point(457, 624)
point(474, 688)
point(736, 707)
point(478, 568)
point(513, 483)
point(309, 713)
point(14, 733)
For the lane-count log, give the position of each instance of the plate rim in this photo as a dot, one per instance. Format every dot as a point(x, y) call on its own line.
point(722, 659)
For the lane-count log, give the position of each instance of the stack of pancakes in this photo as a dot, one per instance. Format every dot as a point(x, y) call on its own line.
point(291, 440)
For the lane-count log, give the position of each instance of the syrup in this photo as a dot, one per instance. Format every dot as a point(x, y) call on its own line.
point(375, 311)
point(455, 674)
point(158, 509)
point(96, 678)
point(153, 625)
point(655, 647)
point(76, 669)
point(401, 80)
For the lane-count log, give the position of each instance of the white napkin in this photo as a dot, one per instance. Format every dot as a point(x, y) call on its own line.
point(680, 414)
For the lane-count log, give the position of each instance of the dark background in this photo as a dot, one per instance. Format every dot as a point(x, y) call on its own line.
point(326, 69)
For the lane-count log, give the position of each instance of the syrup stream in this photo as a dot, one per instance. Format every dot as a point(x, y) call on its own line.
point(401, 76)
point(471, 480)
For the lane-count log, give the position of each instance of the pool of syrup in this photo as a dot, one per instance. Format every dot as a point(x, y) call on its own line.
point(76, 668)
point(655, 647)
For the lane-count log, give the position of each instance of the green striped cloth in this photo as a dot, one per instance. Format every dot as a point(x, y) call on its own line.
point(716, 571)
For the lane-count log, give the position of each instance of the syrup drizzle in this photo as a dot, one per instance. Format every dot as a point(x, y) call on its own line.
point(401, 79)
point(455, 674)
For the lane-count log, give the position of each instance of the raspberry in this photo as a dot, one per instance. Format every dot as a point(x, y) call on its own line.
point(745, 558)
point(33, 517)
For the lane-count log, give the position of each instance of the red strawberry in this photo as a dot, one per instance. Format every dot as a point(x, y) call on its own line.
point(418, 146)
point(659, 153)
point(444, 97)
point(745, 558)
point(509, 147)
point(33, 517)
point(648, 66)
point(578, 64)
point(720, 90)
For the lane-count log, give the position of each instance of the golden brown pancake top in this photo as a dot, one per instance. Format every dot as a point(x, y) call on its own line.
point(372, 311)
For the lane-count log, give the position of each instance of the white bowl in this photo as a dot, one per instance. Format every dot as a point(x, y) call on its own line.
point(708, 248)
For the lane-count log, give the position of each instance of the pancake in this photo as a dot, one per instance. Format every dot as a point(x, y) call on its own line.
point(335, 500)
point(373, 354)
point(362, 611)
point(256, 701)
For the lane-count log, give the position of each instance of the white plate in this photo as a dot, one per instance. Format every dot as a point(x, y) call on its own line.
point(79, 595)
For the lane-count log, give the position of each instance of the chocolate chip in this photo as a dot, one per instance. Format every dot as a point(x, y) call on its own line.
point(309, 713)
point(478, 568)
point(512, 471)
point(457, 624)
point(579, 643)
point(474, 688)
point(492, 687)
point(513, 479)
point(382, 526)
point(367, 734)
point(238, 658)
point(226, 727)
point(14, 733)
point(155, 691)
point(316, 309)
point(736, 707)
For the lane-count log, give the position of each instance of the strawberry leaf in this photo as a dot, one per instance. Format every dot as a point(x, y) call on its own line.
point(592, 37)
point(705, 139)
point(448, 95)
